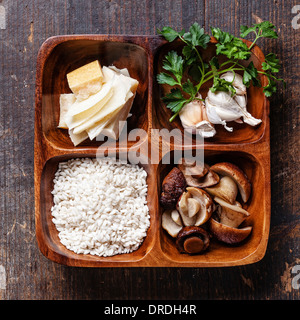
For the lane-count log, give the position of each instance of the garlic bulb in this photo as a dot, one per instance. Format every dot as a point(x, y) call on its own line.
point(194, 119)
point(221, 107)
point(237, 82)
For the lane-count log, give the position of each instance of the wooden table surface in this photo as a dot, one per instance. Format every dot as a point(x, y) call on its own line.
point(24, 272)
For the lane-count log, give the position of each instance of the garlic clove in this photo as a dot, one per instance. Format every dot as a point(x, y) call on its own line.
point(195, 120)
point(214, 117)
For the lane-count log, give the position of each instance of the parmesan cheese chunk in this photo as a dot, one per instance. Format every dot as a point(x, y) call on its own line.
point(86, 80)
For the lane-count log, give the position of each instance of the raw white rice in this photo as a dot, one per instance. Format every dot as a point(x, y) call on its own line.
point(100, 206)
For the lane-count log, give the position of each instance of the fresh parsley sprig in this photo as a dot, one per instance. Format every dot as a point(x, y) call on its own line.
point(191, 63)
point(271, 65)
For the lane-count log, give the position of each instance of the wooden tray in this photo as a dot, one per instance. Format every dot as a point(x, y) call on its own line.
point(247, 146)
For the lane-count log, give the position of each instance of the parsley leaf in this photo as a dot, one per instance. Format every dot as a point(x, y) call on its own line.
point(174, 63)
point(189, 88)
point(222, 85)
point(270, 88)
point(164, 78)
point(270, 66)
point(196, 36)
point(170, 34)
point(174, 100)
point(271, 63)
point(230, 46)
point(264, 29)
point(251, 74)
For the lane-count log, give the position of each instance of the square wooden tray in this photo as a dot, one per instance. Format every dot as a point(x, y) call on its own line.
point(247, 146)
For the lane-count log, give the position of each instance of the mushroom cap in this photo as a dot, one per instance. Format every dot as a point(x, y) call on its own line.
point(169, 224)
point(173, 186)
point(226, 189)
point(228, 234)
point(192, 240)
point(240, 178)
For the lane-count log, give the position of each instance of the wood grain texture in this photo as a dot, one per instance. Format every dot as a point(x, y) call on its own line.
point(29, 275)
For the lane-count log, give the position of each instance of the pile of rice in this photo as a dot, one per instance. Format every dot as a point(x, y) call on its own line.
point(100, 206)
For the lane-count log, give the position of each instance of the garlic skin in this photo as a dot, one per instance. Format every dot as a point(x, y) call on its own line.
point(221, 107)
point(194, 119)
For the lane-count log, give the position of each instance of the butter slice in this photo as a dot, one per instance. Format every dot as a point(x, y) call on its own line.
point(66, 100)
point(86, 80)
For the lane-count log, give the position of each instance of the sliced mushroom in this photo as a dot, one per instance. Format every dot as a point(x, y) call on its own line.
point(198, 175)
point(193, 168)
point(206, 205)
point(235, 173)
point(182, 207)
point(228, 234)
point(169, 225)
point(193, 207)
point(200, 212)
point(176, 217)
point(173, 186)
point(225, 224)
point(225, 189)
point(231, 215)
point(192, 240)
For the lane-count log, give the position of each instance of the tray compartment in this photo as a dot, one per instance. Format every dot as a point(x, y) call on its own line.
point(253, 248)
point(242, 133)
point(47, 234)
point(60, 55)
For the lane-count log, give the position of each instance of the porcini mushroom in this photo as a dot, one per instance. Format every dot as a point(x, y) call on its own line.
point(235, 173)
point(182, 207)
point(169, 224)
point(228, 234)
point(198, 175)
point(192, 240)
point(225, 189)
point(173, 186)
point(231, 215)
point(194, 168)
point(225, 224)
point(176, 217)
point(195, 206)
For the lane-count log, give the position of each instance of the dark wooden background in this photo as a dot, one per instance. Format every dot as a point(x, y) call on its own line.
point(24, 272)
